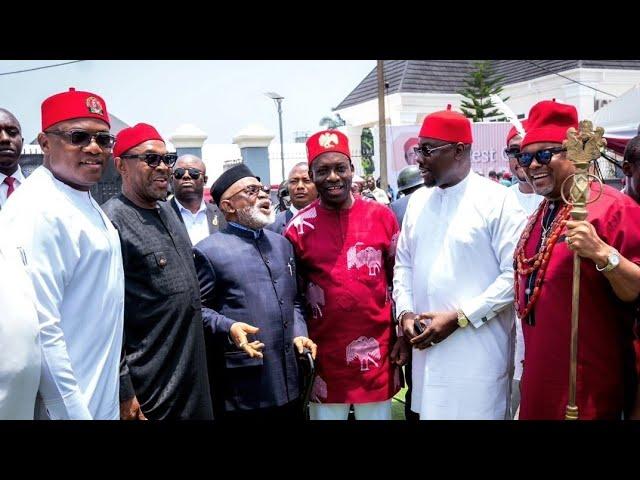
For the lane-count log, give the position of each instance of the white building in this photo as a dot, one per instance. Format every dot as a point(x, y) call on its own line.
point(419, 87)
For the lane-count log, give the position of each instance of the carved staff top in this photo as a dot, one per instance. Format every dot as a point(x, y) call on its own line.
point(583, 146)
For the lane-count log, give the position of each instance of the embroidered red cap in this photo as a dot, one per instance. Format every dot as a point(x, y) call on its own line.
point(73, 104)
point(327, 141)
point(448, 126)
point(134, 136)
point(549, 121)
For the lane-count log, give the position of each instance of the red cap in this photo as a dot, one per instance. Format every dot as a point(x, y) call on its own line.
point(448, 126)
point(72, 104)
point(513, 132)
point(549, 122)
point(133, 136)
point(410, 142)
point(327, 141)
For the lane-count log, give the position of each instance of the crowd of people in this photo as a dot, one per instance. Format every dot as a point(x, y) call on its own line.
point(158, 305)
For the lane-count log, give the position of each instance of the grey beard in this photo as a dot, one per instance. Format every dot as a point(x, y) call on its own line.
point(252, 217)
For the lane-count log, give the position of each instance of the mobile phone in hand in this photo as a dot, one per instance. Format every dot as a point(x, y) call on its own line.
point(417, 326)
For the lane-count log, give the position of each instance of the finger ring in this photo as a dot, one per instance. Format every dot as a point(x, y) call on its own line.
point(433, 343)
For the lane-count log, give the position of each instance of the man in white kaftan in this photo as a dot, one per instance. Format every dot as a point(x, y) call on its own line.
point(454, 265)
point(19, 342)
point(72, 254)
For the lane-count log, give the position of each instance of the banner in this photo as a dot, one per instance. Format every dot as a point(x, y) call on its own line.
point(487, 151)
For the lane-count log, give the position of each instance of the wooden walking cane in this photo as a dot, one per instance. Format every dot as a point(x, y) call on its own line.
point(583, 147)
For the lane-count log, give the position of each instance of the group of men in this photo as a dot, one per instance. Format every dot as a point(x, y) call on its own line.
point(158, 307)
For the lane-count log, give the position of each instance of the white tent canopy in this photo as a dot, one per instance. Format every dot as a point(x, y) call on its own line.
point(621, 117)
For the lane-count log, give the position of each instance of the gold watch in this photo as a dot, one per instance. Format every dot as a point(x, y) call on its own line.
point(463, 320)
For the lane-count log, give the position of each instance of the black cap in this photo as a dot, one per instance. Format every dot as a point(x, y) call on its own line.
point(227, 179)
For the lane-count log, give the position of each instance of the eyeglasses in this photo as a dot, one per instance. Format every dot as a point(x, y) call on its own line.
point(154, 159)
point(253, 190)
point(194, 173)
point(82, 138)
point(543, 156)
point(425, 151)
point(512, 152)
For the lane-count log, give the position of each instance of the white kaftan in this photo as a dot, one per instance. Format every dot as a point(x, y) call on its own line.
point(72, 255)
point(455, 251)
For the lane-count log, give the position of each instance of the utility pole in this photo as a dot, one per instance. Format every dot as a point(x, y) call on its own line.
point(384, 183)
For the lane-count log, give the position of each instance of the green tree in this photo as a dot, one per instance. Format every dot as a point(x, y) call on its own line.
point(479, 86)
point(331, 123)
point(366, 150)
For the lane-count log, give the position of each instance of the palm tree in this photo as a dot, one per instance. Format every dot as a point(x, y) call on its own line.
point(332, 123)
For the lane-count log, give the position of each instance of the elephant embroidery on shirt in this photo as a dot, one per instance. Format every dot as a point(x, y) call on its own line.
point(369, 257)
point(366, 350)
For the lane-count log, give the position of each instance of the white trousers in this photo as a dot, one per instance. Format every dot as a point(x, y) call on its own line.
point(340, 411)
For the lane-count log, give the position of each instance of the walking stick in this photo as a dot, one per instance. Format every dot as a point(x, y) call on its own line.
point(583, 147)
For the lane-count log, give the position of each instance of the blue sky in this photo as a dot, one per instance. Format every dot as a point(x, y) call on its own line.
point(219, 96)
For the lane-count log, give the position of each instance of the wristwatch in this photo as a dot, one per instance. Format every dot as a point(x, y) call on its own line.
point(463, 320)
point(613, 260)
point(399, 317)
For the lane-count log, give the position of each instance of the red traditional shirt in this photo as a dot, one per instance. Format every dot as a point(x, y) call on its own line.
point(606, 374)
point(346, 259)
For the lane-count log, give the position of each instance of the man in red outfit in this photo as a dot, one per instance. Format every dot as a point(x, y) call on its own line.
point(608, 242)
point(346, 252)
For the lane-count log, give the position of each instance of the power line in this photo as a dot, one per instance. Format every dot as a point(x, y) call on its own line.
point(570, 79)
point(40, 68)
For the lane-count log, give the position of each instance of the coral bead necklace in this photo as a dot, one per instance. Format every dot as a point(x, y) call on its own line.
point(537, 263)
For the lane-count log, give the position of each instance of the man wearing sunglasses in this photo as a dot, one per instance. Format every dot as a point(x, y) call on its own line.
point(453, 279)
point(251, 305)
point(163, 372)
point(345, 248)
point(189, 178)
point(608, 242)
point(302, 192)
point(529, 201)
point(11, 176)
point(73, 256)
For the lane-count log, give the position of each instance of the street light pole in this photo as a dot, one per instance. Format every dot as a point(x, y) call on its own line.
point(278, 99)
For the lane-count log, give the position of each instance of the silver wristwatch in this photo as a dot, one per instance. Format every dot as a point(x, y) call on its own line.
point(613, 260)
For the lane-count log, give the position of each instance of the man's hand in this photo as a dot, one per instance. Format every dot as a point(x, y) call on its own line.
point(238, 334)
point(130, 410)
point(439, 326)
point(583, 239)
point(407, 322)
point(400, 351)
point(302, 342)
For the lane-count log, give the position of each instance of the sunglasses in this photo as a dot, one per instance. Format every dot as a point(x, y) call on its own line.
point(512, 152)
point(542, 156)
point(82, 138)
point(253, 190)
point(154, 159)
point(194, 173)
point(425, 151)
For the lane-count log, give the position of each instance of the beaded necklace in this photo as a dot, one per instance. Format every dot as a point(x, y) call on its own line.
point(537, 263)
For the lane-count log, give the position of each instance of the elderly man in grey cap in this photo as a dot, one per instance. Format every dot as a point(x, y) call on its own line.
point(251, 305)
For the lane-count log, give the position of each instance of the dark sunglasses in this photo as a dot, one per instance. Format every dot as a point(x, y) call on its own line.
point(542, 156)
point(82, 138)
point(425, 151)
point(194, 173)
point(512, 152)
point(154, 159)
point(253, 190)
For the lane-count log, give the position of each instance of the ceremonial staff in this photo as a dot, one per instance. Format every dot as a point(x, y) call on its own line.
point(583, 146)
